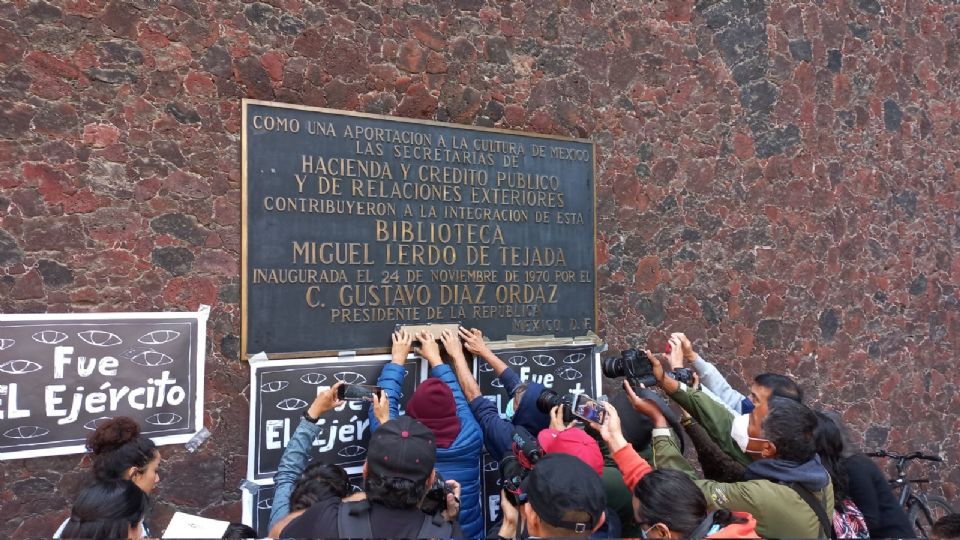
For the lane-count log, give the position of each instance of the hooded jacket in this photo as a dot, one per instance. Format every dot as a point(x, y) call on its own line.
point(498, 432)
point(461, 461)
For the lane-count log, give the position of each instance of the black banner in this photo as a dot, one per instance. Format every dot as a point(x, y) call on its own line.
point(64, 374)
point(563, 368)
point(490, 490)
point(258, 505)
point(282, 389)
point(360, 222)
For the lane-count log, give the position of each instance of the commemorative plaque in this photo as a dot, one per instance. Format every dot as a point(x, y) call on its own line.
point(353, 223)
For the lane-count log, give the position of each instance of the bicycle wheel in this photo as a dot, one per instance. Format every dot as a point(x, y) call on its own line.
point(939, 507)
point(924, 514)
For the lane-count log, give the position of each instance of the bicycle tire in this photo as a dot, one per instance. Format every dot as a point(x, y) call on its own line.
point(939, 507)
point(924, 513)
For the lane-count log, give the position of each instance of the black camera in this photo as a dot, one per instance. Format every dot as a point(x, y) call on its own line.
point(548, 399)
point(526, 447)
point(435, 500)
point(633, 364)
point(684, 375)
point(512, 474)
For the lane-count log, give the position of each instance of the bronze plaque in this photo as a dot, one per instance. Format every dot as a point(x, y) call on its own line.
point(353, 223)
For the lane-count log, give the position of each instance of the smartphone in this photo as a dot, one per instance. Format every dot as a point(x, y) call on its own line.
point(588, 409)
point(358, 392)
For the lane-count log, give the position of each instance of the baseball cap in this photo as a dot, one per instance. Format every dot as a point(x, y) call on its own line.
point(574, 442)
point(402, 448)
point(566, 493)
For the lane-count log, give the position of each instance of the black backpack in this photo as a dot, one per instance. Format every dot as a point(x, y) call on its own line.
point(353, 521)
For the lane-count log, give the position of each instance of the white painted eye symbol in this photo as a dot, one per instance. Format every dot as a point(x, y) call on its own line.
point(517, 360)
point(568, 374)
point(496, 383)
point(164, 419)
point(355, 488)
point(100, 338)
point(6, 343)
point(352, 451)
point(544, 360)
point(49, 337)
point(159, 337)
point(491, 466)
point(485, 367)
point(291, 404)
point(151, 359)
point(273, 386)
point(25, 432)
point(313, 378)
point(574, 358)
point(19, 367)
point(265, 504)
point(95, 423)
point(350, 377)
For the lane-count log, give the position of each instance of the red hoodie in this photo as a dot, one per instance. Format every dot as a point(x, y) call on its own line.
point(633, 467)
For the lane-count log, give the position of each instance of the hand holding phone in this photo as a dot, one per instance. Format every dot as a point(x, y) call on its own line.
point(588, 409)
point(358, 392)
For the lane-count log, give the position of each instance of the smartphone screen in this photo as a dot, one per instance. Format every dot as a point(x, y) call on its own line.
point(358, 392)
point(589, 409)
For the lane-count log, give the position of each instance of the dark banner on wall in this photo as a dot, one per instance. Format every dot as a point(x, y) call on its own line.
point(282, 389)
point(258, 504)
point(63, 374)
point(359, 221)
point(563, 368)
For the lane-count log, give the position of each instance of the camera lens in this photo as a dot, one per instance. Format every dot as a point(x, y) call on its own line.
point(612, 367)
point(547, 400)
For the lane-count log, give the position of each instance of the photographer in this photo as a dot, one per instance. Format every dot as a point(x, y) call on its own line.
point(497, 432)
point(439, 404)
point(564, 499)
point(290, 477)
point(398, 479)
point(786, 488)
point(714, 383)
point(726, 428)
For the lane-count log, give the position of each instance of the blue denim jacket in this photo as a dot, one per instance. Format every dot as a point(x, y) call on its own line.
point(295, 459)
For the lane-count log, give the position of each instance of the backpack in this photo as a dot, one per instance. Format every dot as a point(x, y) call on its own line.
point(849, 522)
point(353, 521)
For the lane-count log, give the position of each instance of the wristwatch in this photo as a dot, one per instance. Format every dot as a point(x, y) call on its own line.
point(312, 420)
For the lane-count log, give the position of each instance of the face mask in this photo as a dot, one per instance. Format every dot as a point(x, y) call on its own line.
point(747, 406)
point(510, 412)
point(739, 431)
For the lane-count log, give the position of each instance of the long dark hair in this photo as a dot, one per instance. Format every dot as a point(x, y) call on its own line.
point(829, 440)
point(670, 497)
point(117, 445)
point(106, 510)
point(316, 483)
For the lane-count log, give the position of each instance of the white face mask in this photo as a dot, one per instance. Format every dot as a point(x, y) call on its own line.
point(510, 412)
point(739, 431)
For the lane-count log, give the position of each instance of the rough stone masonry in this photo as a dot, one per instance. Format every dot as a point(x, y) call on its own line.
point(778, 179)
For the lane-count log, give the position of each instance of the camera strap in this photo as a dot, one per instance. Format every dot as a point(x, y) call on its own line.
point(668, 413)
point(703, 529)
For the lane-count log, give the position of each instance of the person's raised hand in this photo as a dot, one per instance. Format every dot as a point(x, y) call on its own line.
point(429, 349)
point(610, 430)
point(675, 356)
point(511, 516)
point(402, 341)
point(556, 419)
point(688, 353)
point(453, 501)
point(645, 406)
point(381, 407)
point(658, 372)
point(325, 401)
point(452, 344)
point(473, 341)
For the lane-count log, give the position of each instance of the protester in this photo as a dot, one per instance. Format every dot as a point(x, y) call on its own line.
point(714, 462)
point(727, 429)
point(439, 404)
point(714, 383)
point(848, 521)
point(398, 473)
point(236, 531)
point(108, 509)
point(304, 486)
point(867, 486)
point(497, 432)
point(564, 499)
point(119, 452)
point(778, 485)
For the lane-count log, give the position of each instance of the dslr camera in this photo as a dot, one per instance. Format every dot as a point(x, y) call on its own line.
point(515, 467)
point(633, 364)
point(575, 407)
point(435, 500)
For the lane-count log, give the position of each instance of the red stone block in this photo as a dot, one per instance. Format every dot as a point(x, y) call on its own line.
point(190, 292)
point(100, 135)
point(427, 34)
point(273, 62)
point(411, 57)
point(52, 65)
point(29, 285)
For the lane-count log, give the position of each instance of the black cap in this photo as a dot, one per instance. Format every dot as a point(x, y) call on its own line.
point(566, 493)
point(402, 448)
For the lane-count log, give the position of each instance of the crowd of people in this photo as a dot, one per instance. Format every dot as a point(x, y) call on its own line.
point(770, 465)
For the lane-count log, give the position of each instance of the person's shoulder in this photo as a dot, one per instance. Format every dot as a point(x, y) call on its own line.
point(320, 520)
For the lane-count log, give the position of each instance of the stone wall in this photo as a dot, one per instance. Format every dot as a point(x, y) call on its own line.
point(779, 180)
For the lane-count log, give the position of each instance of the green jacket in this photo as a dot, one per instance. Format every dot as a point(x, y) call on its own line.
point(778, 509)
point(715, 418)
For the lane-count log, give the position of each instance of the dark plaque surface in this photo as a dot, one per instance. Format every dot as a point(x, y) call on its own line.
point(62, 376)
point(284, 389)
point(354, 223)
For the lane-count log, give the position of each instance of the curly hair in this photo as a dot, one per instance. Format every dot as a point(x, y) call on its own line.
point(117, 445)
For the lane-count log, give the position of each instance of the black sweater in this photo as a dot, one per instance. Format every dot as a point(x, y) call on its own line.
point(871, 492)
